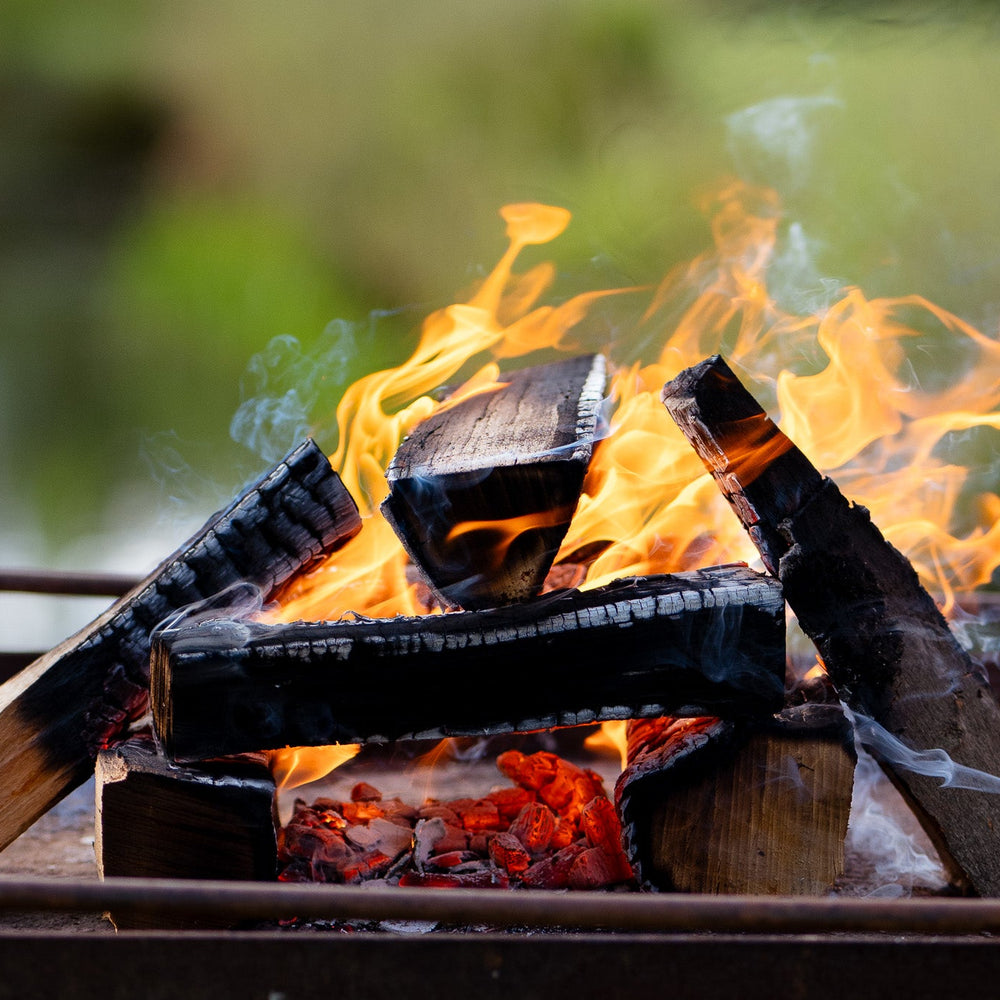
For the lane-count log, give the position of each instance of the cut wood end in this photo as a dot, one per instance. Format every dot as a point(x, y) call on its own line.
point(482, 493)
point(545, 413)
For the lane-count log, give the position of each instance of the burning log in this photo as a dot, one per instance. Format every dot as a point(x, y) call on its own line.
point(748, 808)
point(60, 710)
point(709, 641)
point(883, 640)
point(483, 491)
point(157, 819)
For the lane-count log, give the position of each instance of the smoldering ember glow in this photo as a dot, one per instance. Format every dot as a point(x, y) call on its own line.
point(552, 828)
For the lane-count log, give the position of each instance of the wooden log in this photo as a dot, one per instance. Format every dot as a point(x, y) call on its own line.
point(887, 647)
point(62, 708)
point(706, 641)
point(157, 819)
point(482, 493)
point(755, 808)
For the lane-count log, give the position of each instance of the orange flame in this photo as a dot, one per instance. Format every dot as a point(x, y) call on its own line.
point(300, 765)
point(861, 414)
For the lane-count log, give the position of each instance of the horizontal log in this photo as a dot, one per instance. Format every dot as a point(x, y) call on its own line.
point(61, 709)
point(883, 640)
point(756, 807)
point(704, 642)
point(157, 819)
point(482, 492)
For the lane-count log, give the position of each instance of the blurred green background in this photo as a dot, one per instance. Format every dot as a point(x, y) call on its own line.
point(182, 182)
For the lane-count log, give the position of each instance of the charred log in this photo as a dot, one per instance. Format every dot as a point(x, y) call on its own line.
point(158, 819)
point(482, 493)
point(60, 710)
point(751, 808)
point(711, 641)
point(887, 647)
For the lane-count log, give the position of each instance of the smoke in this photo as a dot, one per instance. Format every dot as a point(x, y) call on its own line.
point(882, 832)
point(226, 615)
point(773, 141)
point(290, 391)
point(885, 838)
point(931, 763)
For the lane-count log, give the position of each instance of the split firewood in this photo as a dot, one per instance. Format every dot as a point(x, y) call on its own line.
point(705, 642)
point(158, 819)
point(749, 808)
point(883, 640)
point(60, 710)
point(482, 492)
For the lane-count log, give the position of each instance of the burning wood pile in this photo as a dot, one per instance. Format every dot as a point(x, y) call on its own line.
point(736, 778)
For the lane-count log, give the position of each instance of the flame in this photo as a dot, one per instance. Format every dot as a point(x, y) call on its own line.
point(300, 765)
point(503, 532)
point(865, 410)
point(611, 737)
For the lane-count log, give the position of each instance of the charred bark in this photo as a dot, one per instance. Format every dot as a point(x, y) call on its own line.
point(60, 710)
point(482, 493)
point(711, 641)
point(750, 808)
point(157, 819)
point(882, 638)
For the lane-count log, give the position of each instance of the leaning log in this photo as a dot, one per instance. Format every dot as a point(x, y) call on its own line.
point(482, 492)
point(157, 819)
point(60, 710)
point(748, 808)
point(710, 642)
point(887, 647)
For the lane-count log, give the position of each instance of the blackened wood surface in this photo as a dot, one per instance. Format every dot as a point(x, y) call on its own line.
point(158, 819)
point(696, 643)
point(880, 634)
point(759, 470)
point(60, 710)
point(512, 461)
point(752, 808)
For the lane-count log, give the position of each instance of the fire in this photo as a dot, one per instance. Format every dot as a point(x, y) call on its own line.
point(503, 532)
point(300, 765)
point(868, 412)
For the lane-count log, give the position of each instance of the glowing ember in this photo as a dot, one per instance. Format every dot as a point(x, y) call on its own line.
point(554, 828)
point(865, 410)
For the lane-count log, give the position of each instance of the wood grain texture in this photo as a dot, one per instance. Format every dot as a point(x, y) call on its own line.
point(711, 641)
point(482, 492)
point(753, 808)
point(61, 709)
point(883, 640)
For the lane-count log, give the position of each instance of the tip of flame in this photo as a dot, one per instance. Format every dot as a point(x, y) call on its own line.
point(295, 766)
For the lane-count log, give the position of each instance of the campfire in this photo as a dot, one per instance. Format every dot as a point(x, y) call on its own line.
point(560, 538)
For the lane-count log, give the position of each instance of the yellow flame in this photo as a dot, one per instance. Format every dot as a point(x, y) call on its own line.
point(860, 414)
point(300, 765)
point(612, 737)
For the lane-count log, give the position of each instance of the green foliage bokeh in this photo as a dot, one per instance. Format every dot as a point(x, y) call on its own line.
point(180, 183)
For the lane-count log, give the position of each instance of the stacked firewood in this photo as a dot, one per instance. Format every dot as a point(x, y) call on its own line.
point(554, 828)
point(481, 495)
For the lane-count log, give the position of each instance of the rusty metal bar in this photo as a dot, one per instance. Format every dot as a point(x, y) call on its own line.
point(643, 913)
point(61, 582)
point(363, 966)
